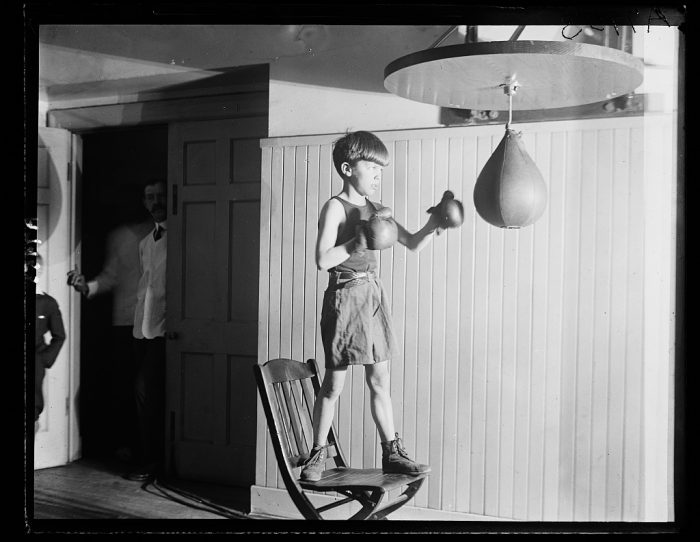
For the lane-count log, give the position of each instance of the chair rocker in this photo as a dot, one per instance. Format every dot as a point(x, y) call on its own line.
point(288, 390)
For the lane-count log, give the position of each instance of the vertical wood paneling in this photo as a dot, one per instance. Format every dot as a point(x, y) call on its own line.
point(298, 226)
point(523, 359)
point(507, 451)
point(275, 280)
point(425, 273)
point(466, 331)
point(450, 392)
point(584, 359)
point(273, 477)
point(567, 390)
point(540, 303)
point(309, 320)
point(523, 371)
point(437, 333)
point(262, 437)
point(601, 331)
point(398, 302)
point(412, 360)
point(618, 331)
point(287, 268)
point(557, 220)
point(477, 422)
point(520, 369)
point(632, 462)
point(494, 334)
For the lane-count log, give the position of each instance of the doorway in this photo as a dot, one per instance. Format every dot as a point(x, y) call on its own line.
point(116, 162)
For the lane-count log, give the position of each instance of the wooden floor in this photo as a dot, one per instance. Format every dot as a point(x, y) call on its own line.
point(96, 490)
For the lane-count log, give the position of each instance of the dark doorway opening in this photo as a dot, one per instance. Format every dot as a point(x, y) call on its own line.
point(116, 163)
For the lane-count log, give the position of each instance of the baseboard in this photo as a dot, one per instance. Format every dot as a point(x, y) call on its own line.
point(275, 503)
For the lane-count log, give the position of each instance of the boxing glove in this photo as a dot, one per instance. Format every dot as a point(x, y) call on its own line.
point(449, 212)
point(360, 237)
point(381, 230)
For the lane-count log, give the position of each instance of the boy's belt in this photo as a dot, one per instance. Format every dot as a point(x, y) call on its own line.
point(339, 277)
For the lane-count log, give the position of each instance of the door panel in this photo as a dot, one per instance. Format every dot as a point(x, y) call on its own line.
point(213, 264)
point(54, 210)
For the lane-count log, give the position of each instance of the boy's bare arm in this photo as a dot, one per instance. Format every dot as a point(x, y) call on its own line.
point(327, 254)
point(418, 240)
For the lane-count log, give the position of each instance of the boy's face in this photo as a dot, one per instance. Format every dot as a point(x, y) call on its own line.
point(155, 202)
point(365, 176)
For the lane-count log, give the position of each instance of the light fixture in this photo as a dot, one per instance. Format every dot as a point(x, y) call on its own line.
point(517, 75)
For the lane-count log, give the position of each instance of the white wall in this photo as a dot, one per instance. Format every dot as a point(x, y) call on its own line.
point(297, 109)
point(305, 110)
point(43, 109)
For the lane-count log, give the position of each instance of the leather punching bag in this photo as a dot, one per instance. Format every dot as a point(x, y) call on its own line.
point(510, 191)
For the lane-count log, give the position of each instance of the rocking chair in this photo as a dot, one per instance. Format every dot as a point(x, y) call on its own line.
point(288, 389)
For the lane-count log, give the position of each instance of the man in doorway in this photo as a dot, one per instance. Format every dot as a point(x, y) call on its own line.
point(149, 332)
point(120, 277)
point(147, 326)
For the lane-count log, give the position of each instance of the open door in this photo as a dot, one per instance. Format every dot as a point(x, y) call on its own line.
point(212, 298)
point(56, 442)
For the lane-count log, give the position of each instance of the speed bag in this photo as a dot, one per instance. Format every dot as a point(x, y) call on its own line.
point(510, 191)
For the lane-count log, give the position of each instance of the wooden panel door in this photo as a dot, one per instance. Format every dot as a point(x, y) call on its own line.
point(212, 283)
point(54, 212)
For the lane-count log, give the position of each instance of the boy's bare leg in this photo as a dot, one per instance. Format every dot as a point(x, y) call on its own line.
point(394, 456)
point(378, 382)
point(324, 407)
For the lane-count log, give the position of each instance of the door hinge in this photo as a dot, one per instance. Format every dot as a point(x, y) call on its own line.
point(174, 196)
point(70, 171)
point(67, 405)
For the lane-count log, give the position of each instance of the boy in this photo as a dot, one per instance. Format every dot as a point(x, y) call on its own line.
point(355, 319)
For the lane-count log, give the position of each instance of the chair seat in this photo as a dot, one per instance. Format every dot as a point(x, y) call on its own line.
point(364, 479)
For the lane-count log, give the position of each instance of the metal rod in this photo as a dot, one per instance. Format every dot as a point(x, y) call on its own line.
point(517, 32)
point(510, 109)
point(444, 37)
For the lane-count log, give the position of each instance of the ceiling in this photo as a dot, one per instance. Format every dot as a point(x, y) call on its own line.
point(80, 61)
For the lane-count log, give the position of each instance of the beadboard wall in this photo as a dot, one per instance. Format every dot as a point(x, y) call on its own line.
point(525, 367)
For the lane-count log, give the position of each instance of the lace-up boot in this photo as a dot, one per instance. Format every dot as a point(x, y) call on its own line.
point(395, 460)
point(315, 465)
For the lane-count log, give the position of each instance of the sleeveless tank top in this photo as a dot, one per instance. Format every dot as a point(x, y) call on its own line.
point(357, 262)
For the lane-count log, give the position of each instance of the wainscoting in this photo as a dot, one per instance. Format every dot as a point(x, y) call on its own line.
point(529, 357)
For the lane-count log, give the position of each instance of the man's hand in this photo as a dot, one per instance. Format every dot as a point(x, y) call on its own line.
point(77, 281)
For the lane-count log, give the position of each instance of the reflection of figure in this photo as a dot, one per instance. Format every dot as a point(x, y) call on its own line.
point(49, 325)
point(119, 276)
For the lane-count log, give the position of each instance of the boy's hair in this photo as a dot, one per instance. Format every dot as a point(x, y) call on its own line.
point(356, 146)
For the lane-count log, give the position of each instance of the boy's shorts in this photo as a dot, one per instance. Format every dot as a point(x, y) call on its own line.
point(356, 323)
